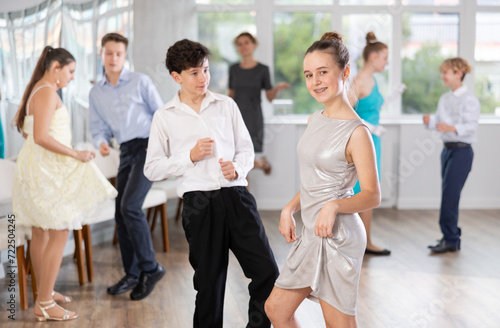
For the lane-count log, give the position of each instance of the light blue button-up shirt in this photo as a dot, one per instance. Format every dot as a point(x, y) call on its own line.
point(124, 111)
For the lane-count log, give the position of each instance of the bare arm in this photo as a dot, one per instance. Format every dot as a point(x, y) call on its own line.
point(43, 107)
point(287, 222)
point(273, 93)
point(360, 87)
point(361, 152)
point(353, 94)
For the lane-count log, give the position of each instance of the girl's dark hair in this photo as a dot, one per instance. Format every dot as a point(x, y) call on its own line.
point(372, 45)
point(48, 56)
point(331, 42)
point(185, 54)
point(248, 35)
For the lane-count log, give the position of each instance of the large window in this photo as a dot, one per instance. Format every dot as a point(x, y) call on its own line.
point(488, 2)
point(420, 35)
point(368, 2)
point(24, 34)
point(290, 45)
point(73, 25)
point(487, 56)
point(355, 28)
point(428, 39)
point(217, 32)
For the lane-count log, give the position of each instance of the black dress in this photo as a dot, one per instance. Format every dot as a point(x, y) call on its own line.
point(247, 85)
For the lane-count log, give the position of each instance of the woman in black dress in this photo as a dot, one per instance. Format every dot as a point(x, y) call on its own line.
point(246, 80)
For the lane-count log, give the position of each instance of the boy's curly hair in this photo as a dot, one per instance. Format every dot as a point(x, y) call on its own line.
point(185, 54)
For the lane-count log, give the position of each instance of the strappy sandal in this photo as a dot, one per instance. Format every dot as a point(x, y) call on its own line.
point(67, 299)
point(46, 317)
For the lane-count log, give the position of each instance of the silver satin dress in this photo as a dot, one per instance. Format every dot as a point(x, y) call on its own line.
point(330, 266)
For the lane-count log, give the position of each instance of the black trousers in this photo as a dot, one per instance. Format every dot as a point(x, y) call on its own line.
point(216, 222)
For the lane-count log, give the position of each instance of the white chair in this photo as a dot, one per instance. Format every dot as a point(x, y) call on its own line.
point(7, 169)
point(169, 186)
point(155, 199)
point(12, 236)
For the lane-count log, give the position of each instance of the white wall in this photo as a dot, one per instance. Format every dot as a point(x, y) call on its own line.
point(157, 26)
point(419, 169)
point(410, 172)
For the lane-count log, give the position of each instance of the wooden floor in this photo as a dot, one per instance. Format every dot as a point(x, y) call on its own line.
point(410, 288)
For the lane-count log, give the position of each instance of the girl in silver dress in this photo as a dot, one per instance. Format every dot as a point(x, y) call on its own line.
point(336, 149)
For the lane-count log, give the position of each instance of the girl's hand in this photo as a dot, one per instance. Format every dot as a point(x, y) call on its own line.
point(84, 155)
point(326, 218)
point(282, 86)
point(287, 226)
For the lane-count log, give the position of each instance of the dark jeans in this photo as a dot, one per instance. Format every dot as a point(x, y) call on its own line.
point(134, 236)
point(216, 222)
point(456, 164)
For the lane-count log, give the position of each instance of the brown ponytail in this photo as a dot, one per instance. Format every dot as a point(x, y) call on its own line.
point(48, 56)
point(331, 42)
point(372, 45)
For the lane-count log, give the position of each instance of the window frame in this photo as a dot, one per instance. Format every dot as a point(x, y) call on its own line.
point(466, 11)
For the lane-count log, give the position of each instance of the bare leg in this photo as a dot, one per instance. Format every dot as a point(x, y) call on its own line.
point(281, 306)
point(49, 265)
point(39, 240)
point(366, 217)
point(336, 319)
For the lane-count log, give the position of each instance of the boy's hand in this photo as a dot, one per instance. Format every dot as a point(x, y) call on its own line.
point(228, 170)
point(104, 149)
point(202, 149)
point(427, 119)
point(443, 127)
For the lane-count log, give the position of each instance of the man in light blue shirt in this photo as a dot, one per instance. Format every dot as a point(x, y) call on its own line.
point(122, 105)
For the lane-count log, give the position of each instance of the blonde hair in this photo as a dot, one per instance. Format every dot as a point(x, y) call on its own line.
point(456, 64)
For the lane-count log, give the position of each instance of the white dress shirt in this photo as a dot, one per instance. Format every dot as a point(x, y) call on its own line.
point(461, 109)
point(175, 130)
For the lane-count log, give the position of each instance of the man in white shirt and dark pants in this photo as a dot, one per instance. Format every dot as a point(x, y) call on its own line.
point(456, 119)
point(200, 138)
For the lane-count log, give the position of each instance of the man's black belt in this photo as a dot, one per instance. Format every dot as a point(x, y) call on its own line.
point(451, 145)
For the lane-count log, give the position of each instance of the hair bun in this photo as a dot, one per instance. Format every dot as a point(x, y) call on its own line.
point(371, 38)
point(332, 36)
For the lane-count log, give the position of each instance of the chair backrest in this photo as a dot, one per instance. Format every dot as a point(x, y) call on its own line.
point(7, 169)
point(107, 165)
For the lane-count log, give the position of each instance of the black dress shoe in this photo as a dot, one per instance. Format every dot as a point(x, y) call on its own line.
point(444, 247)
point(382, 252)
point(147, 283)
point(126, 283)
point(438, 242)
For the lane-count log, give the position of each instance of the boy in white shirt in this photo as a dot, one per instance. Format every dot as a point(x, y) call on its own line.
point(200, 138)
point(456, 120)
